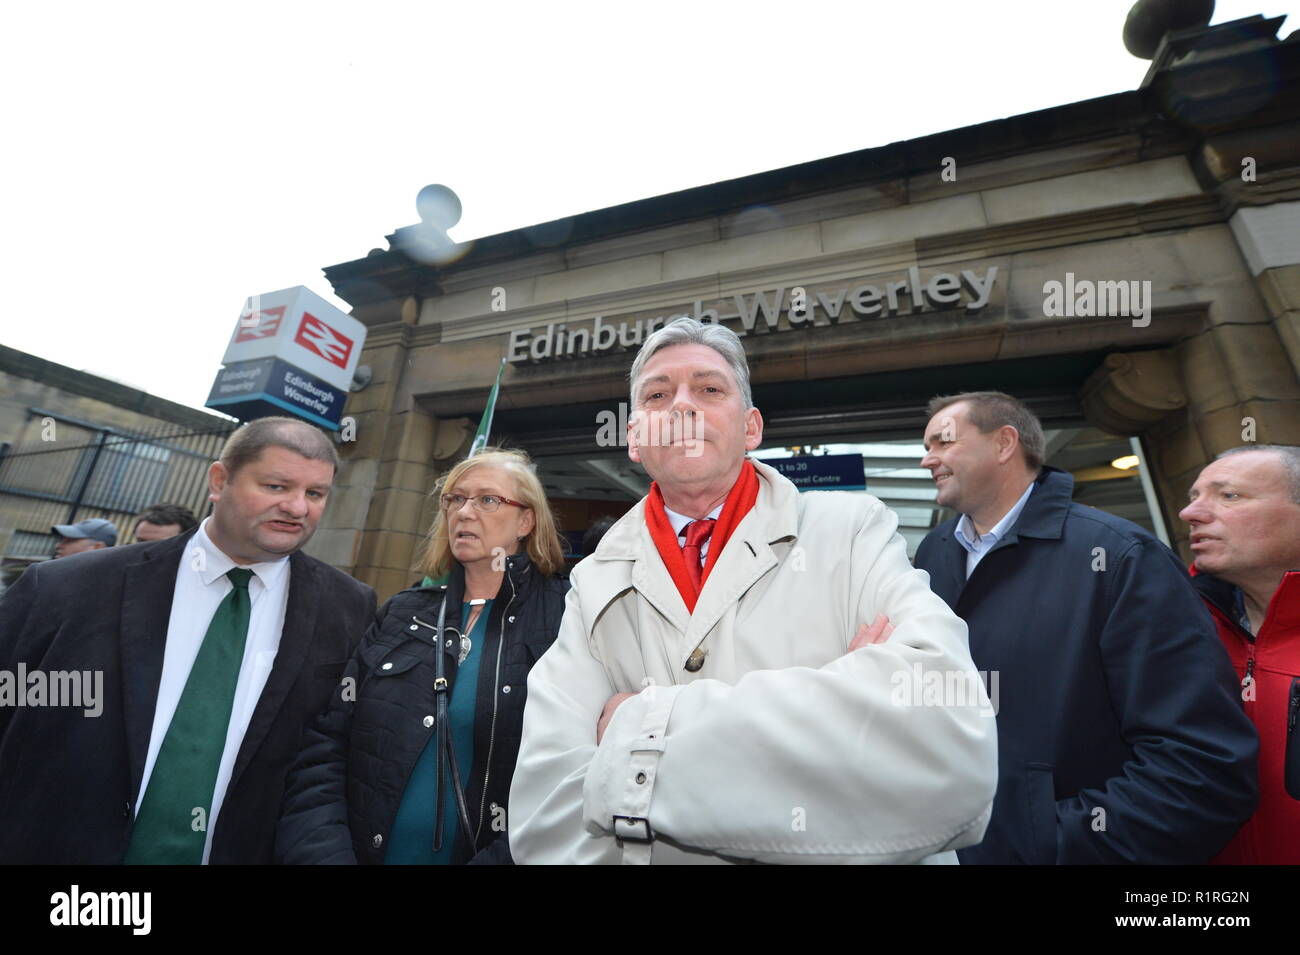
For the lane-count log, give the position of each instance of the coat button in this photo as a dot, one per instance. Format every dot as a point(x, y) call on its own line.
point(386, 666)
point(640, 778)
point(506, 688)
point(428, 721)
point(695, 661)
point(415, 626)
point(448, 643)
point(512, 619)
point(126, 810)
point(377, 841)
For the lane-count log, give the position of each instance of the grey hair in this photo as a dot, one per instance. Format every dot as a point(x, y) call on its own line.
point(689, 331)
point(1288, 455)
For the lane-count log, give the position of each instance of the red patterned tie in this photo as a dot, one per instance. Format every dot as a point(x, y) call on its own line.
point(697, 532)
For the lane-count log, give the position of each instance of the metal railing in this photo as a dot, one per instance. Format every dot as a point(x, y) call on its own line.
point(77, 470)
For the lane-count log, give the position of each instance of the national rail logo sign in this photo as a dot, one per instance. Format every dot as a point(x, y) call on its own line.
point(316, 336)
point(291, 351)
point(259, 323)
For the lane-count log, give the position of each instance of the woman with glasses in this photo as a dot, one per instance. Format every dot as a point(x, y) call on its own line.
point(412, 762)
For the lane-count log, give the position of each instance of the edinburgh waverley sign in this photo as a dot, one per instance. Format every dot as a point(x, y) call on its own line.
point(763, 311)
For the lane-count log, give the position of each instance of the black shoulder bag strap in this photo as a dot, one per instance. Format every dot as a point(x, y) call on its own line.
point(446, 748)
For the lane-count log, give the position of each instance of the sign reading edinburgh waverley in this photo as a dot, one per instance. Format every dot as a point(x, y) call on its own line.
point(291, 352)
point(762, 311)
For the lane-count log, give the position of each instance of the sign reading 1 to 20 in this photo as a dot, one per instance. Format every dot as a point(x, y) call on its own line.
point(823, 472)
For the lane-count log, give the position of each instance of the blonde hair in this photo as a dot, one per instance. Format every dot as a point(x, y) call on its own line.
point(543, 544)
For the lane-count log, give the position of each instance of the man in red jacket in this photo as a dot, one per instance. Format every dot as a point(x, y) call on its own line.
point(1245, 522)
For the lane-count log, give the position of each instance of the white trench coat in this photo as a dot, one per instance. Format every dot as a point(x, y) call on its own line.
point(783, 747)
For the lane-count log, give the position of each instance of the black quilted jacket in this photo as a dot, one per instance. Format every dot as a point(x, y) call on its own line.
point(342, 795)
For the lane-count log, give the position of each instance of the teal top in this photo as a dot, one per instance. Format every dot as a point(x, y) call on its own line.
point(411, 841)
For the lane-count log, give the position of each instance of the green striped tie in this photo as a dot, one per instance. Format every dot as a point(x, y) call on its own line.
point(171, 826)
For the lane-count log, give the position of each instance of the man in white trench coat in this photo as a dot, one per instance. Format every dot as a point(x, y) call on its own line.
point(739, 673)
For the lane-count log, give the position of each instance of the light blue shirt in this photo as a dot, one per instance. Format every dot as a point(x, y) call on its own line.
point(679, 522)
point(977, 546)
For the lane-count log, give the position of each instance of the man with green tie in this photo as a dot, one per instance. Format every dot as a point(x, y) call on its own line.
point(215, 649)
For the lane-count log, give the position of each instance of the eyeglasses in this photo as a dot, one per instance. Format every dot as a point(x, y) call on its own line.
point(487, 503)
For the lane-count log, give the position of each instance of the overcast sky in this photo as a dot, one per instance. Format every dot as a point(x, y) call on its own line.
point(163, 162)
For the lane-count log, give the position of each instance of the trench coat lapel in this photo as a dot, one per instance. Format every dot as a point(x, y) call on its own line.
point(627, 559)
point(744, 560)
point(147, 590)
point(652, 581)
point(746, 557)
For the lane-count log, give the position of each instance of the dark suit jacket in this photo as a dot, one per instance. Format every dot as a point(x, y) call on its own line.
point(69, 782)
point(1121, 736)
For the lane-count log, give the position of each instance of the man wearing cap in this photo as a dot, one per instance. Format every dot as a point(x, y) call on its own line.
point(93, 534)
point(724, 686)
point(214, 650)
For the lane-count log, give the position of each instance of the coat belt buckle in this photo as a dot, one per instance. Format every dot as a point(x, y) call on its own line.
point(645, 837)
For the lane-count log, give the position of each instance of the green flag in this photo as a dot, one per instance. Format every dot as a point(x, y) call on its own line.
point(485, 425)
point(480, 442)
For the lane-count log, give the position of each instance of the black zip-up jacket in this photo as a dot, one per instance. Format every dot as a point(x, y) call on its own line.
point(342, 794)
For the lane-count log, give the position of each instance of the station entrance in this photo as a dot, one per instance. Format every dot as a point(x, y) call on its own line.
point(880, 417)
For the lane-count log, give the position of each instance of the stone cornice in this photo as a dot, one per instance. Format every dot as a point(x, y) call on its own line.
point(891, 168)
point(1090, 225)
point(397, 333)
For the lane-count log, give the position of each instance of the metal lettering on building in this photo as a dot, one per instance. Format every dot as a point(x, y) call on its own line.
point(764, 310)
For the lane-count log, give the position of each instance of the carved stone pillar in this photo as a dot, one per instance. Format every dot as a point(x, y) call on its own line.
point(1132, 391)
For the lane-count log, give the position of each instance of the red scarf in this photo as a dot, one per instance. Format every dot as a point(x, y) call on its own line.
point(740, 500)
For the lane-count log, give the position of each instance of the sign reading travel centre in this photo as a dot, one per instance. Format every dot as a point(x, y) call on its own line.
point(763, 310)
point(291, 352)
point(823, 472)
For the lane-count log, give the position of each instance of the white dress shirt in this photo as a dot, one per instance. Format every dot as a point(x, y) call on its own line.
point(201, 585)
point(977, 546)
point(679, 522)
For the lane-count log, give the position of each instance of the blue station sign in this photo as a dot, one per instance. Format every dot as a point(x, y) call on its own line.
point(823, 472)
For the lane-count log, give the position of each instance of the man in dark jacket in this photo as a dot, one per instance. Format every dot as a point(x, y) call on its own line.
point(1120, 738)
point(1245, 533)
point(343, 794)
point(201, 659)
